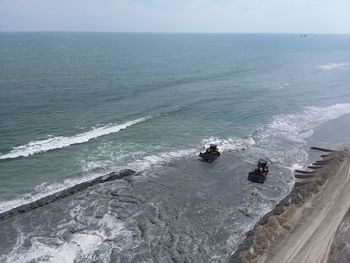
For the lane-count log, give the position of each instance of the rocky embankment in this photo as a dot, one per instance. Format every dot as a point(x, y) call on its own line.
point(64, 193)
point(303, 226)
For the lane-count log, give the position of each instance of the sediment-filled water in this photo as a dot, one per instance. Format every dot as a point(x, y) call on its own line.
point(74, 106)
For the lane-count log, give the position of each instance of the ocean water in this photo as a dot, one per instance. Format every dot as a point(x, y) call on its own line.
point(74, 106)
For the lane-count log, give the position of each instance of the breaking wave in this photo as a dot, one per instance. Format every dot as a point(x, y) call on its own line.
point(142, 164)
point(333, 66)
point(79, 248)
point(302, 124)
point(278, 139)
point(283, 138)
point(41, 146)
point(228, 144)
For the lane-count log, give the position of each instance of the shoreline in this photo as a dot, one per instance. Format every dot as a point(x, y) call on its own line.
point(64, 193)
point(301, 228)
point(188, 210)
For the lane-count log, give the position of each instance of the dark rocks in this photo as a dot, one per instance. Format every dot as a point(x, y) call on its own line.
point(321, 149)
point(64, 193)
point(313, 167)
point(303, 176)
point(117, 175)
point(303, 172)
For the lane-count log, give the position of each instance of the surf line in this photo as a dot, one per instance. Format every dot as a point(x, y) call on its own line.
point(59, 142)
point(21, 209)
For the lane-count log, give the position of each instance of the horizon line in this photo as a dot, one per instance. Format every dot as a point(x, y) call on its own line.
point(169, 32)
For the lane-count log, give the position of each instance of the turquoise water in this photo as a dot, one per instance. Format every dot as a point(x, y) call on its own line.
point(75, 105)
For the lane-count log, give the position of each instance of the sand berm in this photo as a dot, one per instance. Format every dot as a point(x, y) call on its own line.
point(311, 224)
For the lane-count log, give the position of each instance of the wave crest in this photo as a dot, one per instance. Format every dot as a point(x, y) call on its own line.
point(143, 164)
point(333, 66)
point(58, 142)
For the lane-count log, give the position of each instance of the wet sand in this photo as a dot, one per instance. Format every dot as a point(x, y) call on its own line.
point(185, 211)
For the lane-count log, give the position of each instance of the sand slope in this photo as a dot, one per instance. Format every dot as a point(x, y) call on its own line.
point(312, 238)
point(340, 251)
point(303, 226)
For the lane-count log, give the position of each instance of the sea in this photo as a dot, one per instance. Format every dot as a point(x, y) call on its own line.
point(75, 106)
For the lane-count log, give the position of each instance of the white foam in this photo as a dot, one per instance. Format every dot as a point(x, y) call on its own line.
point(301, 125)
point(292, 127)
point(46, 189)
point(228, 144)
point(283, 139)
point(333, 66)
point(297, 166)
point(143, 164)
point(41, 249)
point(41, 146)
point(157, 159)
point(80, 247)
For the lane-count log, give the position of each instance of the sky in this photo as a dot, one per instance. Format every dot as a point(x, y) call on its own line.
point(239, 16)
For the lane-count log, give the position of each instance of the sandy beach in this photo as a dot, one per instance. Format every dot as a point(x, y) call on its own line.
point(303, 227)
point(315, 225)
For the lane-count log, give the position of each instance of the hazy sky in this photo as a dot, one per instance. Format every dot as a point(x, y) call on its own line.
point(314, 16)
